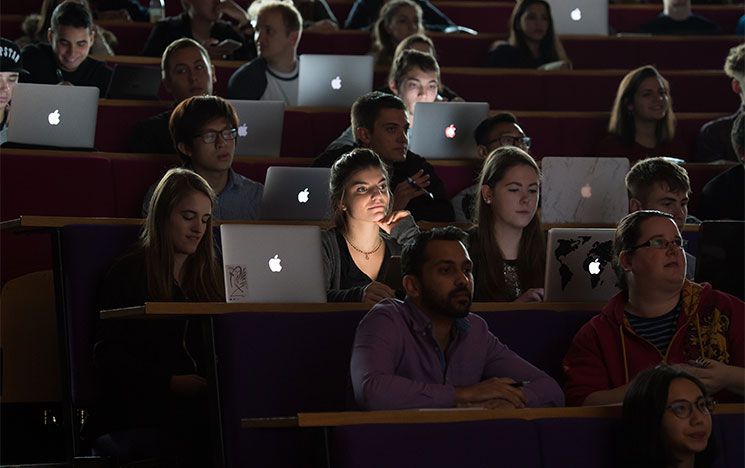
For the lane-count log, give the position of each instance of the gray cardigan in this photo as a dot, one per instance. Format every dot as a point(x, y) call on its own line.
point(402, 233)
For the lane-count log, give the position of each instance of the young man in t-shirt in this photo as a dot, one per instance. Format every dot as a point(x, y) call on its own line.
point(273, 75)
point(65, 59)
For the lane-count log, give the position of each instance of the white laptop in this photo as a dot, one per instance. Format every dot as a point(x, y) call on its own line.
point(580, 17)
point(266, 263)
point(578, 190)
point(53, 115)
point(334, 80)
point(579, 265)
point(259, 127)
point(444, 130)
point(296, 194)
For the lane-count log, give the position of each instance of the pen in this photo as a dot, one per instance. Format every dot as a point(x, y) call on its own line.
point(413, 184)
point(520, 383)
point(59, 76)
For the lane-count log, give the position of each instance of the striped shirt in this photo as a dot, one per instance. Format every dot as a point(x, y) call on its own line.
point(657, 330)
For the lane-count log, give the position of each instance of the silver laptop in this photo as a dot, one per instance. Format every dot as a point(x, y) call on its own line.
point(334, 80)
point(580, 17)
point(259, 127)
point(53, 115)
point(265, 263)
point(584, 190)
point(444, 130)
point(296, 194)
point(578, 265)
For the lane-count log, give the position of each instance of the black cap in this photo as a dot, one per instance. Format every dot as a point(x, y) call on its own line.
point(10, 57)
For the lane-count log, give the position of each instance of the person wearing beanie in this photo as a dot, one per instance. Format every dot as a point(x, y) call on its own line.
point(10, 70)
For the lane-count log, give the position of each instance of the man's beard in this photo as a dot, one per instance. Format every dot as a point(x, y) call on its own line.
point(449, 306)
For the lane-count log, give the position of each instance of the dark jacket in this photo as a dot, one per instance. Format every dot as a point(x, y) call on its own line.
point(39, 61)
point(152, 135)
point(249, 81)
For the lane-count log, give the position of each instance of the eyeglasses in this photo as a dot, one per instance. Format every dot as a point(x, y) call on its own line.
point(509, 140)
point(211, 137)
point(684, 408)
point(662, 244)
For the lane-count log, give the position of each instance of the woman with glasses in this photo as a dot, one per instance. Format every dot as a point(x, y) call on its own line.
point(507, 244)
point(204, 131)
point(658, 316)
point(667, 421)
point(357, 250)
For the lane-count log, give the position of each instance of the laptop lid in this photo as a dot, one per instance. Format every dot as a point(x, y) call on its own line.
point(721, 258)
point(334, 80)
point(53, 115)
point(584, 190)
point(580, 17)
point(579, 265)
point(134, 82)
point(266, 263)
point(444, 130)
point(259, 127)
point(296, 194)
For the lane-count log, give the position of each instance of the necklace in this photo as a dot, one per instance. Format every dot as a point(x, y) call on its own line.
point(366, 254)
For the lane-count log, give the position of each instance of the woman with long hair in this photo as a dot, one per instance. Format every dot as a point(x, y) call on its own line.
point(357, 250)
point(398, 20)
point(152, 371)
point(507, 244)
point(667, 421)
point(642, 122)
point(532, 42)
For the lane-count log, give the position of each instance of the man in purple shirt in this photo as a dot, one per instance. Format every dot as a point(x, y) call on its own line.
point(428, 351)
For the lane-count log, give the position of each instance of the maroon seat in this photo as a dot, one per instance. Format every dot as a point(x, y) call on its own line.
point(133, 176)
point(116, 121)
point(629, 18)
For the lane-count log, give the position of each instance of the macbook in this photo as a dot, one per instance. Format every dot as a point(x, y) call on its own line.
point(134, 82)
point(259, 127)
point(266, 263)
point(444, 130)
point(579, 265)
point(580, 17)
point(721, 259)
point(296, 194)
point(578, 190)
point(334, 80)
point(53, 115)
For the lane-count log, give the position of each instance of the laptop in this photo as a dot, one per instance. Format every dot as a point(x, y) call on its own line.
point(579, 265)
point(721, 260)
point(259, 127)
point(334, 80)
point(584, 190)
point(296, 194)
point(580, 17)
point(444, 130)
point(266, 263)
point(134, 82)
point(53, 115)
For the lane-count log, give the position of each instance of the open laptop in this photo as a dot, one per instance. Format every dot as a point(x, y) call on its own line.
point(296, 194)
point(721, 257)
point(53, 115)
point(259, 127)
point(580, 17)
point(134, 82)
point(578, 265)
point(334, 80)
point(583, 190)
point(266, 263)
point(444, 130)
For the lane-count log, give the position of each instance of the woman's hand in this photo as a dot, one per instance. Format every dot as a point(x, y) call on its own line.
point(376, 292)
point(389, 222)
point(531, 295)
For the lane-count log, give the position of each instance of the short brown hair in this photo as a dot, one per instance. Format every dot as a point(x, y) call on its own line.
point(178, 44)
point(627, 237)
point(646, 173)
point(734, 66)
point(194, 113)
point(409, 59)
point(366, 108)
point(290, 15)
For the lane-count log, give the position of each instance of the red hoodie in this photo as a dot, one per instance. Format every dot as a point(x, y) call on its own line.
point(606, 352)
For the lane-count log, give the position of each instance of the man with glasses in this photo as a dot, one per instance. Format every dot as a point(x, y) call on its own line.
point(203, 129)
point(494, 132)
point(658, 316)
point(660, 184)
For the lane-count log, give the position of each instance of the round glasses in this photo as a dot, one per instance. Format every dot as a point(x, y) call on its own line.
point(684, 408)
point(211, 137)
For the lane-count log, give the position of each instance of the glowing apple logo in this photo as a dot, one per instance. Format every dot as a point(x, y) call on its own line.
point(586, 191)
point(450, 131)
point(576, 14)
point(594, 267)
point(302, 196)
point(336, 83)
point(243, 130)
point(53, 118)
point(275, 264)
